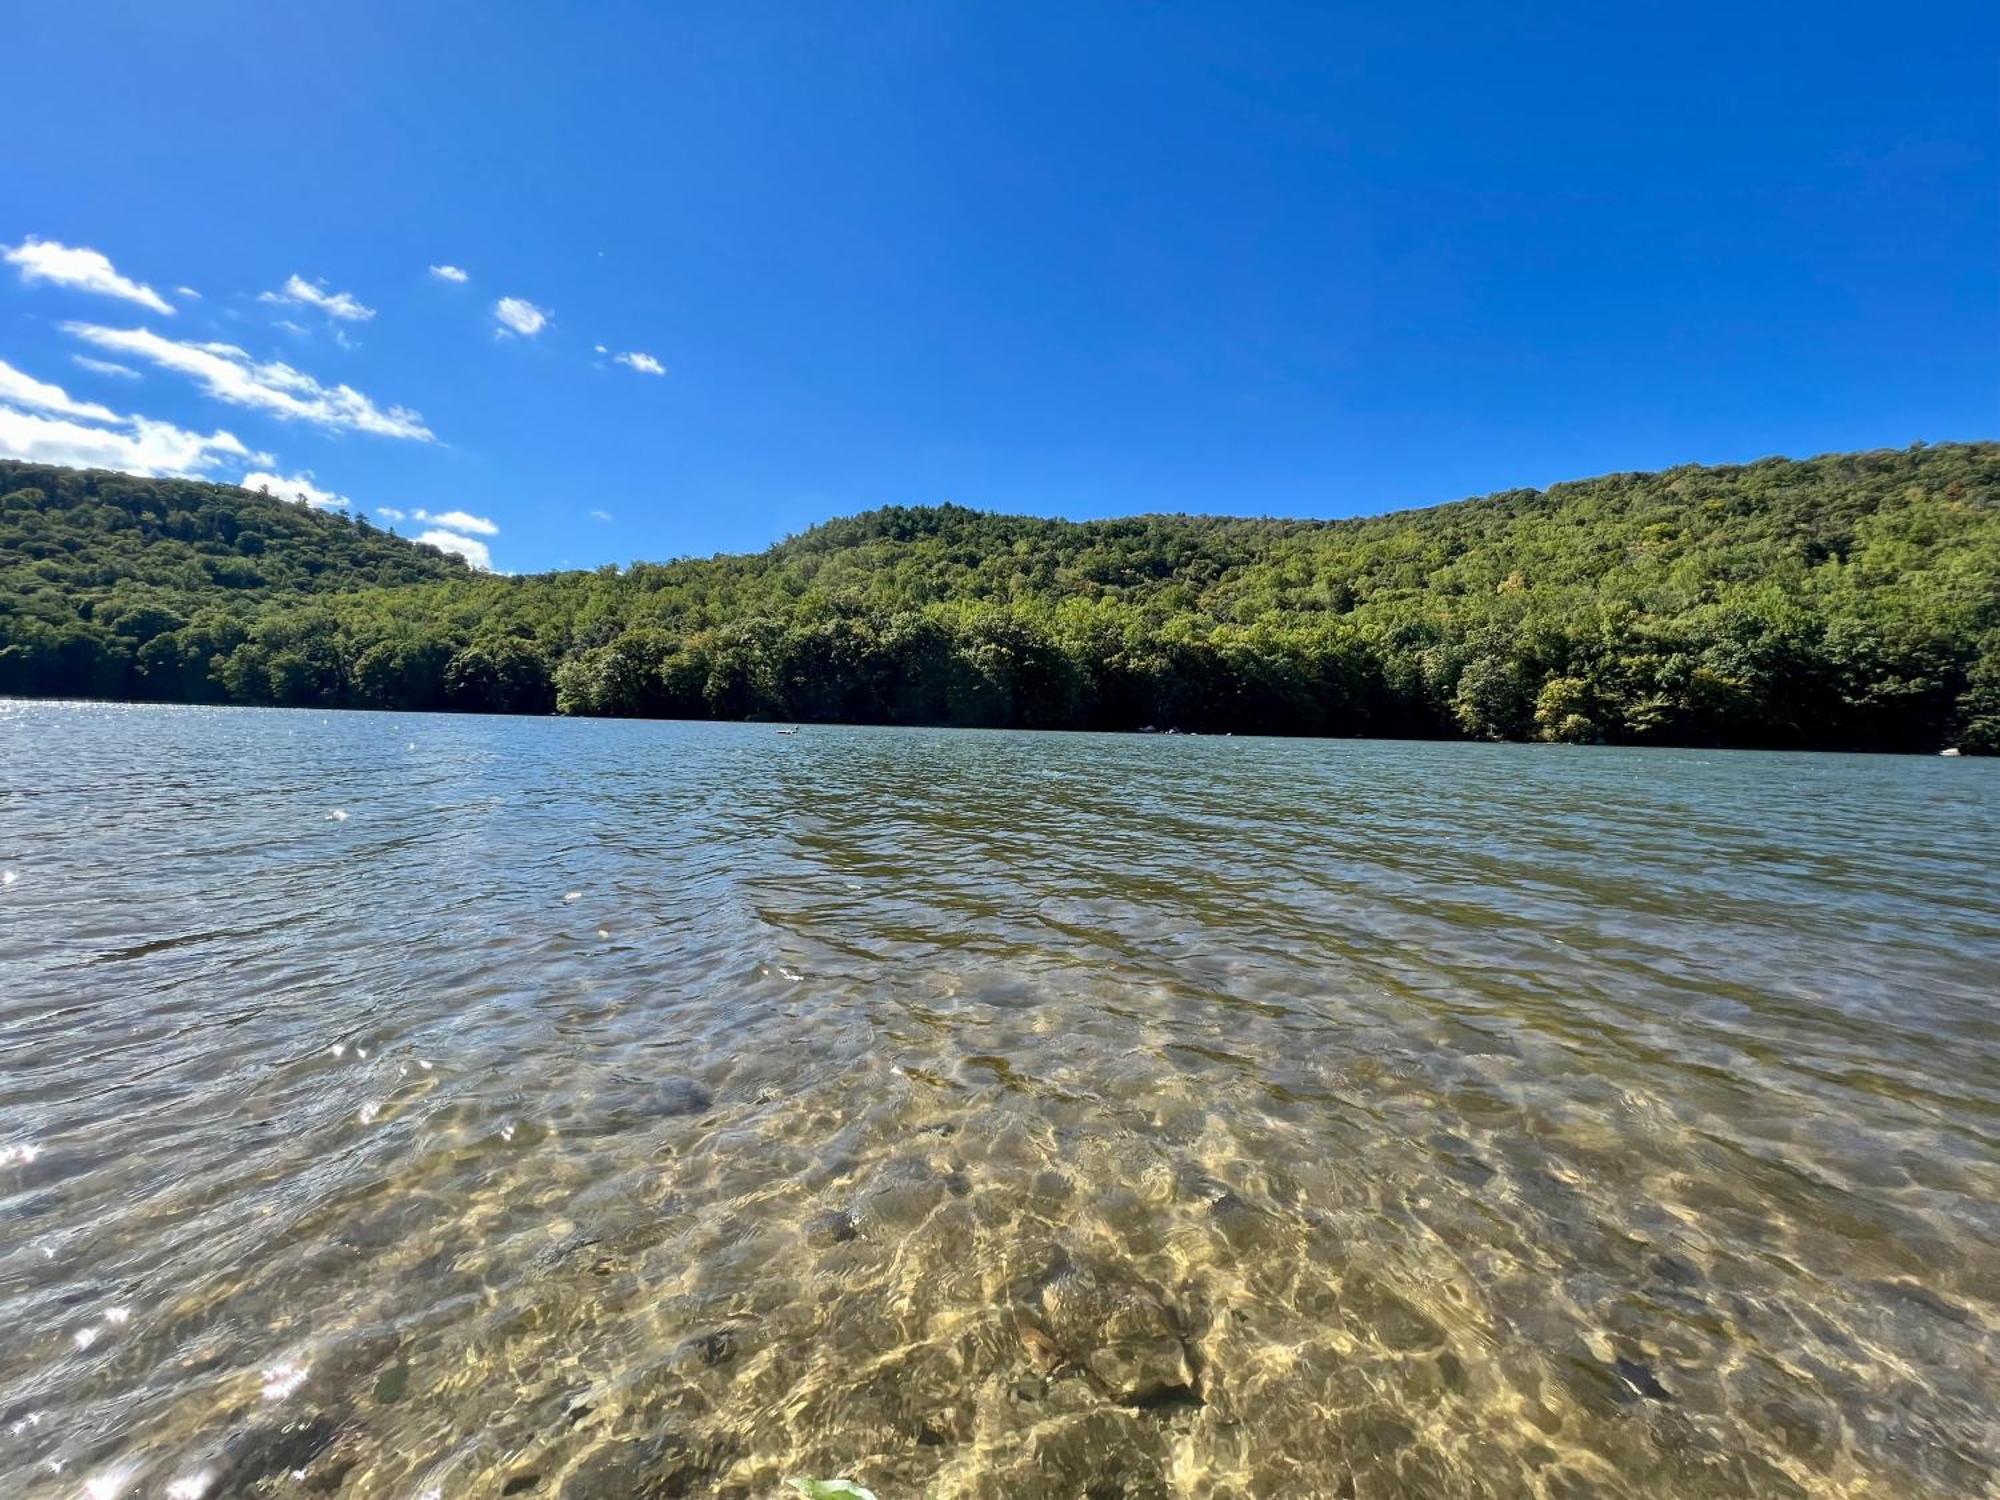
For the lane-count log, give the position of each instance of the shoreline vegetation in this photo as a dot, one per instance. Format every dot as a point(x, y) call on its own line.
point(1848, 602)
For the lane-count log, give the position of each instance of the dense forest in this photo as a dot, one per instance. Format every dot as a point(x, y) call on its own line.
point(1846, 601)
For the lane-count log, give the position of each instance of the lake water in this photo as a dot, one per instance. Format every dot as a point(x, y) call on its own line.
point(620, 1109)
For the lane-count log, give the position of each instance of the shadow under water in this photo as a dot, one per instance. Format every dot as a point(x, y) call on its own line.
point(613, 1110)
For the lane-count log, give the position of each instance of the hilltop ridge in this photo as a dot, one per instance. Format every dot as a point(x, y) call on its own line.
point(1851, 600)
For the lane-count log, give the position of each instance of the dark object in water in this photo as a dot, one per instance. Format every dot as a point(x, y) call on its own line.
point(677, 1096)
point(1166, 1399)
point(565, 1251)
point(392, 1384)
point(834, 1228)
point(1641, 1379)
point(713, 1349)
point(258, 1452)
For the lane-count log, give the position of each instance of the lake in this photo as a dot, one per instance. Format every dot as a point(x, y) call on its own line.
point(421, 1106)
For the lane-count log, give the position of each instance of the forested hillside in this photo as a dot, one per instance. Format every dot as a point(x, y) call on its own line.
point(117, 587)
point(1845, 601)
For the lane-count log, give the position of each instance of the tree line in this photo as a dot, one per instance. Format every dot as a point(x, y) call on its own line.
point(1851, 601)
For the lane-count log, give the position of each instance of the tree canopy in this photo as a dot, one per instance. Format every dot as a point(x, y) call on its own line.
point(1848, 601)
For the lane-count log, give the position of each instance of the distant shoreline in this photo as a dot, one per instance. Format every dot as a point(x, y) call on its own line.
point(474, 715)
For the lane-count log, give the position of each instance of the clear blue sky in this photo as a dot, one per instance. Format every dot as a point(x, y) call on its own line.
point(1075, 259)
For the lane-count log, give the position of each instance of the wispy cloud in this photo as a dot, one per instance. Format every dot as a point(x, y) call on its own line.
point(291, 489)
point(518, 315)
point(18, 388)
point(451, 273)
point(455, 531)
point(104, 367)
point(229, 374)
point(475, 552)
point(458, 520)
point(137, 445)
point(645, 364)
point(188, 292)
point(84, 270)
point(42, 422)
point(300, 292)
point(600, 515)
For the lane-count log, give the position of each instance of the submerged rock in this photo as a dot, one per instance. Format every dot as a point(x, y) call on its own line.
point(1913, 1294)
point(1043, 1352)
point(1376, 1312)
point(581, 1251)
point(1115, 1327)
point(666, 1467)
point(1101, 1453)
point(676, 1096)
point(712, 1349)
point(635, 1104)
point(1675, 1271)
point(834, 1228)
point(256, 1453)
point(1149, 1372)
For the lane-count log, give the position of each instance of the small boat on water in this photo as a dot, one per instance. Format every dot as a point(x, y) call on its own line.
point(793, 730)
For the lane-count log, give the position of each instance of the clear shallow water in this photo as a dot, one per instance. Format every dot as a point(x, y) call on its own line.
point(609, 1109)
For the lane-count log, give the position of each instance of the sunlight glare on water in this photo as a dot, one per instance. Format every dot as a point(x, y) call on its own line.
point(399, 1105)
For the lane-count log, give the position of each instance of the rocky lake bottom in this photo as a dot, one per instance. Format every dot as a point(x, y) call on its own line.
point(426, 1107)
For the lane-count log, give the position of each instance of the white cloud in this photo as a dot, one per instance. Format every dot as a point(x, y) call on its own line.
point(188, 292)
point(290, 489)
point(458, 520)
point(19, 388)
point(600, 515)
point(104, 367)
point(518, 315)
point(305, 293)
point(45, 424)
point(450, 273)
point(144, 447)
point(86, 270)
point(645, 364)
point(229, 374)
point(476, 553)
point(448, 533)
point(601, 349)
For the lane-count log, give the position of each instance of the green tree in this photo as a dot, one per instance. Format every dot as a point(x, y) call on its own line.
point(1562, 712)
point(501, 675)
point(1492, 700)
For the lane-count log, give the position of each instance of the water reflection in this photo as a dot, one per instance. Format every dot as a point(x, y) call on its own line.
point(613, 1110)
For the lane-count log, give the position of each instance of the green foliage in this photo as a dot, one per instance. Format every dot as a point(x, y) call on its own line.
point(116, 587)
point(1848, 601)
point(1562, 712)
point(1493, 698)
point(1976, 715)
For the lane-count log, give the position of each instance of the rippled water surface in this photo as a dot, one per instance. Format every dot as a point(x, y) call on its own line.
point(419, 1106)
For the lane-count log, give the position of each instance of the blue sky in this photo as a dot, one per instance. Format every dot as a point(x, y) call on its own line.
point(1055, 258)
